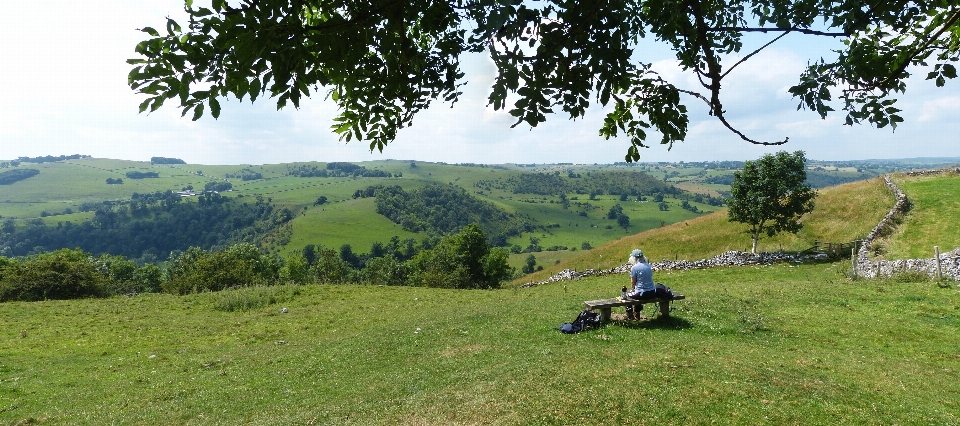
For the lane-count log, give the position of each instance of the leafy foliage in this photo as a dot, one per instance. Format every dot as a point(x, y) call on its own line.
point(155, 224)
point(51, 158)
point(384, 61)
point(770, 195)
point(62, 274)
point(443, 209)
point(125, 277)
point(215, 186)
point(12, 176)
point(142, 175)
point(241, 265)
point(461, 260)
point(244, 174)
point(336, 169)
point(166, 160)
point(612, 182)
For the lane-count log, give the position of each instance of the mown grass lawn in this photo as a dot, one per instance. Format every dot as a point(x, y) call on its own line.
point(771, 345)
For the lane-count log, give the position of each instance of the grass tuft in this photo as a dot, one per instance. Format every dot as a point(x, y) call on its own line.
point(251, 298)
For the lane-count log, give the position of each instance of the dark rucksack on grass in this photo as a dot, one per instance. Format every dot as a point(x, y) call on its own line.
point(586, 320)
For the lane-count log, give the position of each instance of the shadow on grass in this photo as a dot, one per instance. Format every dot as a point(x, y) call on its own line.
point(658, 323)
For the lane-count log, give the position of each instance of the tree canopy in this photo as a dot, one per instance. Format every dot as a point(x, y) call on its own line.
point(770, 195)
point(383, 61)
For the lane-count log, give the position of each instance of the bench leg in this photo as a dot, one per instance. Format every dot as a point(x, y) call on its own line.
point(664, 308)
point(604, 315)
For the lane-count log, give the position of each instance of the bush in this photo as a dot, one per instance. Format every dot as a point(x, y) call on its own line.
point(462, 260)
point(217, 186)
point(62, 274)
point(296, 269)
point(142, 175)
point(386, 270)
point(241, 265)
point(329, 267)
point(124, 277)
point(254, 298)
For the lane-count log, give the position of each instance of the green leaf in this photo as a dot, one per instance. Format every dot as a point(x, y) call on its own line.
point(254, 89)
point(157, 103)
point(949, 71)
point(151, 31)
point(197, 112)
point(214, 107)
point(172, 26)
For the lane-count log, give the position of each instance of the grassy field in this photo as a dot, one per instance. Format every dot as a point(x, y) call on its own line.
point(787, 344)
point(931, 220)
point(68, 184)
point(842, 214)
point(782, 344)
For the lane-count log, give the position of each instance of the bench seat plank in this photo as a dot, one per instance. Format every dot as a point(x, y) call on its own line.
point(604, 305)
point(615, 302)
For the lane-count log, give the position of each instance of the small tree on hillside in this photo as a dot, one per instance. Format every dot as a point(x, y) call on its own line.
point(623, 221)
point(770, 195)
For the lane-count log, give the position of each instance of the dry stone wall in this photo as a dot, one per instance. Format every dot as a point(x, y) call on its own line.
point(730, 258)
point(949, 263)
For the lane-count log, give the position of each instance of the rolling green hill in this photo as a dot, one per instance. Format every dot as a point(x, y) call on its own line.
point(66, 191)
point(842, 214)
point(781, 344)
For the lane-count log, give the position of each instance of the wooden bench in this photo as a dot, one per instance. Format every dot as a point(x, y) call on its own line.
point(604, 305)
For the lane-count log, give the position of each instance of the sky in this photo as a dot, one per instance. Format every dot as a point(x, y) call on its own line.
point(63, 91)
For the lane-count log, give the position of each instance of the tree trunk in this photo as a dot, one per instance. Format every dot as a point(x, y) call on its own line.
point(754, 248)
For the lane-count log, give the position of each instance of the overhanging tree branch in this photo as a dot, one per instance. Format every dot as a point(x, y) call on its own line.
point(713, 73)
point(909, 58)
point(284, 47)
point(783, 30)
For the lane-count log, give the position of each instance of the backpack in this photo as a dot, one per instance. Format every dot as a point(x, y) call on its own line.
point(586, 320)
point(663, 292)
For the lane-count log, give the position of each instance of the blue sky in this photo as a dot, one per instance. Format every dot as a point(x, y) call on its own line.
point(63, 91)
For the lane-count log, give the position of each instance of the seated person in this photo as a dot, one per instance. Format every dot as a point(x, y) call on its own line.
point(641, 282)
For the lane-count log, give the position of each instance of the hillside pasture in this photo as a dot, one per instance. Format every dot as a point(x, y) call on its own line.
point(778, 345)
point(931, 221)
point(335, 224)
point(842, 214)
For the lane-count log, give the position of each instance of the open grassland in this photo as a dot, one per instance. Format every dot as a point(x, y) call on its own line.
point(842, 214)
point(772, 345)
point(333, 225)
point(933, 220)
point(68, 184)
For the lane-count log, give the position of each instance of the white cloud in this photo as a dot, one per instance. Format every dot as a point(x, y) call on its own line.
point(939, 108)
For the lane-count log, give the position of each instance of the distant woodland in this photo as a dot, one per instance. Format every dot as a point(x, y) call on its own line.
point(151, 225)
